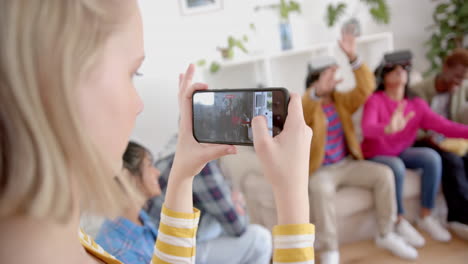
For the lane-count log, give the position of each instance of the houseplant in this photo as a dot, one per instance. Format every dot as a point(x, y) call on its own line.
point(449, 29)
point(285, 8)
point(228, 51)
point(378, 9)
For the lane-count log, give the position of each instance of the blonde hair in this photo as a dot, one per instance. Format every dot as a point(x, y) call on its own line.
point(46, 47)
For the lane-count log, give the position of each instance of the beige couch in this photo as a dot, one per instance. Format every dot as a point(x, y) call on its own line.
point(355, 208)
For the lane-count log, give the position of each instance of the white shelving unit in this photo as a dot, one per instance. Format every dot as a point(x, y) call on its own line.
point(289, 68)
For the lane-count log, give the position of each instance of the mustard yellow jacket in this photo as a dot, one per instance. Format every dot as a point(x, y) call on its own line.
point(346, 104)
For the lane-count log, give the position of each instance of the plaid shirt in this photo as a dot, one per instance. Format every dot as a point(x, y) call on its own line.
point(127, 241)
point(211, 194)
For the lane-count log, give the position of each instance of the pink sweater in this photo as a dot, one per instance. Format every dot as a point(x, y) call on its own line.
point(378, 111)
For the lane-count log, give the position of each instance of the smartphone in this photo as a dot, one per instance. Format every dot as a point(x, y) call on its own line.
point(225, 116)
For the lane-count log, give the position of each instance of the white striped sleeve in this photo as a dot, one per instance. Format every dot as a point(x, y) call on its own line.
point(176, 237)
point(294, 244)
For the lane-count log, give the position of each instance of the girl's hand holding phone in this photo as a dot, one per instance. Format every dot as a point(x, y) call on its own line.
point(285, 163)
point(191, 156)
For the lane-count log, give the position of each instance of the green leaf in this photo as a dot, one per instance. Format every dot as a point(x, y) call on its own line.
point(452, 16)
point(241, 46)
point(231, 42)
point(230, 54)
point(253, 27)
point(245, 38)
point(294, 7)
point(286, 8)
point(441, 8)
point(201, 62)
point(445, 29)
point(334, 13)
point(379, 11)
point(451, 45)
point(463, 10)
point(433, 53)
point(215, 67)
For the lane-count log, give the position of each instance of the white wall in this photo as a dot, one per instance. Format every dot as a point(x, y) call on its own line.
point(410, 23)
point(172, 41)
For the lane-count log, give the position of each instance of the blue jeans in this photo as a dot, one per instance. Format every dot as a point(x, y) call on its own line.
point(416, 158)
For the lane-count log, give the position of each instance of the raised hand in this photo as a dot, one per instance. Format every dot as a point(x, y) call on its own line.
point(348, 45)
point(399, 120)
point(285, 162)
point(190, 156)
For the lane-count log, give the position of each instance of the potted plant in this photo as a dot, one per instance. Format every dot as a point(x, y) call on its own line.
point(232, 43)
point(449, 30)
point(378, 10)
point(285, 8)
point(227, 52)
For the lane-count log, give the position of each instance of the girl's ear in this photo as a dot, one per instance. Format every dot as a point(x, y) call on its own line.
point(125, 174)
point(128, 180)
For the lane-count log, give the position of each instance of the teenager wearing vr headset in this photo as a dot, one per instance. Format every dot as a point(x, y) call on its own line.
point(447, 94)
point(391, 119)
point(336, 159)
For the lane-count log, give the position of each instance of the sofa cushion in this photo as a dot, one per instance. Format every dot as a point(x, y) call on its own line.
point(352, 200)
point(260, 200)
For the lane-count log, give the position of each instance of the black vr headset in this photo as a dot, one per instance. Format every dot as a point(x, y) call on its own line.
point(391, 61)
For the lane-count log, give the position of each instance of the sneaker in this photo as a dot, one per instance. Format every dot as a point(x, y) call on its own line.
point(330, 257)
point(434, 229)
point(459, 229)
point(395, 244)
point(406, 231)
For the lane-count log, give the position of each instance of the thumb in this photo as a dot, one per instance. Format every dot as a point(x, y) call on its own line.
point(260, 130)
point(213, 152)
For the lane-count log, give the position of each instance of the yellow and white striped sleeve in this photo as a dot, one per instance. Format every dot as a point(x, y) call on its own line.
point(176, 237)
point(294, 244)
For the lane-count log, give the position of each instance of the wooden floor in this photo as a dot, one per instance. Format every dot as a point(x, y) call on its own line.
point(455, 252)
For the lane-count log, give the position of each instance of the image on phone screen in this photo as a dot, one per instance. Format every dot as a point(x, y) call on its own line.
point(226, 116)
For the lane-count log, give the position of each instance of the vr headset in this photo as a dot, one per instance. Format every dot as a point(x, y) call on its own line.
point(398, 58)
point(391, 61)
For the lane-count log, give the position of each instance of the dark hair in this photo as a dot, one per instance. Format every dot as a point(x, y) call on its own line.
point(457, 57)
point(311, 78)
point(133, 158)
point(380, 73)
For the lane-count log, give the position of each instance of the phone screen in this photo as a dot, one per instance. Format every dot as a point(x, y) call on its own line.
point(225, 116)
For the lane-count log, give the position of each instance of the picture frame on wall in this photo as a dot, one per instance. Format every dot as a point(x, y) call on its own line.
point(193, 7)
